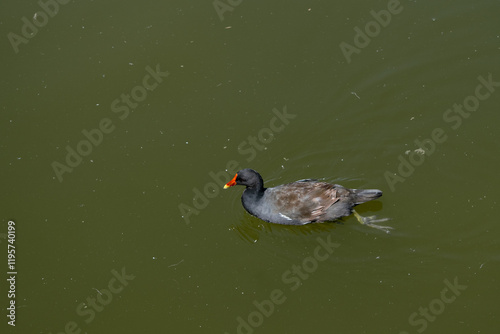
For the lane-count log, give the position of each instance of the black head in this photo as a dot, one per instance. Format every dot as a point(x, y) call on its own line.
point(246, 177)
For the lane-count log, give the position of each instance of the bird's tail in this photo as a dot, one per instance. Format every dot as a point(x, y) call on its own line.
point(365, 195)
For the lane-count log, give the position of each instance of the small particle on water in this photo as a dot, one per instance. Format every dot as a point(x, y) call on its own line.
point(175, 264)
point(354, 93)
point(187, 142)
point(420, 151)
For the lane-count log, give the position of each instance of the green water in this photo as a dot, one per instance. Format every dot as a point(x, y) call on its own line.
point(121, 119)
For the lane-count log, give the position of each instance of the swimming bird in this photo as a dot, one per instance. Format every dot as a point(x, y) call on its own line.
point(302, 202)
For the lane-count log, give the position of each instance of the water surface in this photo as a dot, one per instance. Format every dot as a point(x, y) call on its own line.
point(177, 94)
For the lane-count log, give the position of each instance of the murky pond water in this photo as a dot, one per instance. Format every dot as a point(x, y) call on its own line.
point(121, 121)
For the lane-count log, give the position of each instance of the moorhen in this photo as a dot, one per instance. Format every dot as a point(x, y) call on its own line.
point(302, 202)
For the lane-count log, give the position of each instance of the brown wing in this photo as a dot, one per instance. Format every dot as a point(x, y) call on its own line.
point(306, 201)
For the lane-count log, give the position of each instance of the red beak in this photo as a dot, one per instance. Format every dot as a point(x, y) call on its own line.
point(231, 183)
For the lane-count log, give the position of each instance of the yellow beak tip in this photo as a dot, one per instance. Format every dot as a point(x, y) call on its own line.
point(226, 186)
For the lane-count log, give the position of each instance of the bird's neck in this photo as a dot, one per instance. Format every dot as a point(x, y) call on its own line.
point(251, 199)
point(254, 192)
